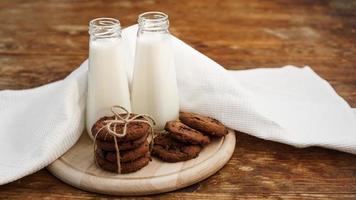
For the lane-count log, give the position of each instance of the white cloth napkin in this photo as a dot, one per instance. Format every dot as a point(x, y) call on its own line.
point(289, 105)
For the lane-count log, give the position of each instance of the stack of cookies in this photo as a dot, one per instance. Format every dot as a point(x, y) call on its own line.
point(185, 138)
point(133, 147)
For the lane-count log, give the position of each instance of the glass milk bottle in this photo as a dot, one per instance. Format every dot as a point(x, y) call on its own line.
point(154, 86)
point(107, 78)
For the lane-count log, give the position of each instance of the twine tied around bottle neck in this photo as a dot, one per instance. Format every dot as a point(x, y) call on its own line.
point(123, 119)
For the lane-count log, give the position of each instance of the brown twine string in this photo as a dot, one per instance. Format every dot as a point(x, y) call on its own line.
point(111, 125)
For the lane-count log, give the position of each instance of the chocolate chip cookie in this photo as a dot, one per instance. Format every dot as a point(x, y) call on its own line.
point(184, 133)
point(126, 167)
point(204, 124)
point(134, 130)
point(110, 146)
point(128, 155)
point(170, 150)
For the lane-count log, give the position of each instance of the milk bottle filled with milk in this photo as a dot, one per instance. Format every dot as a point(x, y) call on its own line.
point(154, 86)
point(107, 77)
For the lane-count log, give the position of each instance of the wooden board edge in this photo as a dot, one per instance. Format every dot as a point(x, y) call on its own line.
point(154, 185)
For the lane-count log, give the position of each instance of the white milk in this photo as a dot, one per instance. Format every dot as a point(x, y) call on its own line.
point(107, 79)
point(154, 87)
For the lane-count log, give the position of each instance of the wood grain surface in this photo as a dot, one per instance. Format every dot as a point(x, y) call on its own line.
point(43, 41)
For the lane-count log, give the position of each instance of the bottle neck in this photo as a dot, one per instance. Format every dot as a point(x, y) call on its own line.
point(153, 22)
point(102, 28)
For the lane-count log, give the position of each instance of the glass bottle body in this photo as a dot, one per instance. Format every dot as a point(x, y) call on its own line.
point(154, 87)
point(107, 78)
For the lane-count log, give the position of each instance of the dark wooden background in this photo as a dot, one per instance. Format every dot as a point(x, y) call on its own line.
point(43, 41)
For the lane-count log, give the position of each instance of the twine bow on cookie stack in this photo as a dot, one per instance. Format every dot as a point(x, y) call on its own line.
point(123, 119)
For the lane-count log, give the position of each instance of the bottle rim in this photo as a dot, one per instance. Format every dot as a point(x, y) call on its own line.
point(104, 22)
point(104, 27)
point(153, 16)
point(153, 21)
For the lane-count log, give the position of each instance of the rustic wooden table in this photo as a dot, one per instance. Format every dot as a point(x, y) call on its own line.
point(43, 41)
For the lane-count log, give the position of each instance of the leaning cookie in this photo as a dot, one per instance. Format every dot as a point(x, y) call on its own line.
point(126, 167)
point(184, 133)
point(134, 131)
point(110, 146)
point(128, 155)
point(170, 150)
point(204, 124)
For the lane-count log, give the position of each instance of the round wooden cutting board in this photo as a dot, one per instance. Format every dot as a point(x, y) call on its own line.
point(77, 168)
